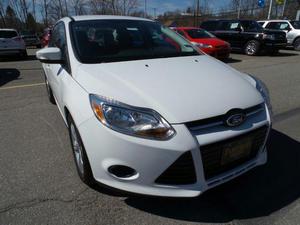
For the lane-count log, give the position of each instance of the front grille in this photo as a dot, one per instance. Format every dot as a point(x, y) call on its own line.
point(212, 153)
point(218, 120)
point(181, 172)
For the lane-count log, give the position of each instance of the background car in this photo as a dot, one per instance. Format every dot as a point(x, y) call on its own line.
point(45, 38)
point(206, 41)
point(149, 113)
point(291, 28)
point(247, 36)
point(30, 39)
point(11, 43)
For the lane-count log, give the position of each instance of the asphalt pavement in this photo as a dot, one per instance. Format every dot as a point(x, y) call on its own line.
point(39, 183)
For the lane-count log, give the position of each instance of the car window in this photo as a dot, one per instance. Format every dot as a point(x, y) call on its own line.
point(8, 34)
point(296, 24)
point(278, 26)
point(250, 26)
point(261, 23)
point(210, 25)
point(230, 25)
point(199, 33)
point(123, 40)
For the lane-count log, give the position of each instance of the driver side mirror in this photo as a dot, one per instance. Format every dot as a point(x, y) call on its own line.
point(51, 55)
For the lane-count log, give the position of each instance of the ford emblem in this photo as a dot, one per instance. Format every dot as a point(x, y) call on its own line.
point(235, 119)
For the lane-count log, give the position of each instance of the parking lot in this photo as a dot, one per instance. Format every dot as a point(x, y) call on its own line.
point(39, 183)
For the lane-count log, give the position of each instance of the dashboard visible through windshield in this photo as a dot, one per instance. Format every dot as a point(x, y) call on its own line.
point(100, 41)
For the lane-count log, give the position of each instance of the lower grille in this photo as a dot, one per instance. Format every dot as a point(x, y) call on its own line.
point(212, 154)
point(181, 172)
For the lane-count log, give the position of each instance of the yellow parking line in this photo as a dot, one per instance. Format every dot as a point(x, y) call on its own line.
point(21, 86)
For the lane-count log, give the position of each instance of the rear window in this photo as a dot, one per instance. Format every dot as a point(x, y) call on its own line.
point(8, 34)
point(198, 33)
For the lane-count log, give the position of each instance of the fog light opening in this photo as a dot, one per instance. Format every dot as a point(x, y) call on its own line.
point(123, 172)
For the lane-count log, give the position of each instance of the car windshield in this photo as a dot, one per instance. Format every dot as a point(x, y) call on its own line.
point(8, 34)
point(251, 26)
point(296, 24)
point(100, 41)
point(199, 33)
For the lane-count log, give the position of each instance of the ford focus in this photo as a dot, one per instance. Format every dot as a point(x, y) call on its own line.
point(149, 113)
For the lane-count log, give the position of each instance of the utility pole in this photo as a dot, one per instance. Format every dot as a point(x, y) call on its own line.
point(270, 9)
point(145, 12)
point(154, 11)
point(197, 13)
point(124, 7)
point(239, 9)
point(283, 9)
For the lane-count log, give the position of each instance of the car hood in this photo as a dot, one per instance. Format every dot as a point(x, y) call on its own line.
point(210, 41)
point(181, 89)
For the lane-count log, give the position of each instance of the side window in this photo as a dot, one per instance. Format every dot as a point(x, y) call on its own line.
point(230, 26)
point(210, 25)
point(278, 26)
point(181, 33)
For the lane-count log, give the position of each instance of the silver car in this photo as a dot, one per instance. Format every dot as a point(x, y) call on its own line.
point(292, 29)
point(11, 43)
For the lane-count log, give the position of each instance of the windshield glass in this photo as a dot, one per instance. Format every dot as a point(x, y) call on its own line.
point(123, 40)
point(199, 33)
point(251, 26)
point(8, 34)
point(296, 24)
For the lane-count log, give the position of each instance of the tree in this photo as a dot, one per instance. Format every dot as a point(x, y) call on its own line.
point(2, 14)
point(30, 22)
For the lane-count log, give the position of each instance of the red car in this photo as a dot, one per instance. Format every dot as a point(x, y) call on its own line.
point(46, 37)
point(206, 41)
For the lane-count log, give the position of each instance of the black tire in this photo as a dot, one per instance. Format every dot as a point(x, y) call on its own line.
point(252, 48)
point(273, 52)
point(297, 44)
point(23, 54)
point(81, 160)
point(49, 92)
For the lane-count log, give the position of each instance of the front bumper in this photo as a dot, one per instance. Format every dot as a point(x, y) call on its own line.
point(151, 159)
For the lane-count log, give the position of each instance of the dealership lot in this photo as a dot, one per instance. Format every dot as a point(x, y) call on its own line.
point(39, 183)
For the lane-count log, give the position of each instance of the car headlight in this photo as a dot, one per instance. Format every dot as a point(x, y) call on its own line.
point(263, 90)
point(135, 121)
point(269, 36)
point(201, 45)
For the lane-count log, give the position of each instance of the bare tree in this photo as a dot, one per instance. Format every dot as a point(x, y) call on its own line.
point(79, 6)
point(2, 14)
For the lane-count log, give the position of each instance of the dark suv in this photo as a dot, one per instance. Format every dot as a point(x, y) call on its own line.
point(247, 35)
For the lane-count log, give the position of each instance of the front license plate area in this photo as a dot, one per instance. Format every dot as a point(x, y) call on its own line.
point(236, 150)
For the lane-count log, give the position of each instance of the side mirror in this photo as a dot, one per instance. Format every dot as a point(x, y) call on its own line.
point(51, 55)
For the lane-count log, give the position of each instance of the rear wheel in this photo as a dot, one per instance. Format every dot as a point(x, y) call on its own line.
point(49, 92)
point(80, 157)
point(252, 48)
point(297, 44)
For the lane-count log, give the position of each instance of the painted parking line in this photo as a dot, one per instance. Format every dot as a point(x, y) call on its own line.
point(21, 86)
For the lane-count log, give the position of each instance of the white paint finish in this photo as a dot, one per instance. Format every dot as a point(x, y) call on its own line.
point(180, 89)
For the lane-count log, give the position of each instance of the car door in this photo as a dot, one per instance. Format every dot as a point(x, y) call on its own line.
point(58, 73)
point(282, 26)
point(230, 31)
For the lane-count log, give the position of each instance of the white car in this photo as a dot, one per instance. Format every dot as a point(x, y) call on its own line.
point(11, 43)
point(147, 112)
point(291, 28)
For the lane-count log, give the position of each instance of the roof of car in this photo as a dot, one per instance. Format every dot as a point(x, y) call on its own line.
point(187, 28)
point(273, 21)
point(107, 17)
point(8, 29)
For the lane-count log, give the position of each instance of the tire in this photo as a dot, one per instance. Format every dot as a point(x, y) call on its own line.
point(297, 44)
point(273, 52)
point(252, 48)
point(81, 161)
point(49, 92)
point(23, 54)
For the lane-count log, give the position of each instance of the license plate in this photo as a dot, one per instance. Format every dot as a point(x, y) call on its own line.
point(236, 150)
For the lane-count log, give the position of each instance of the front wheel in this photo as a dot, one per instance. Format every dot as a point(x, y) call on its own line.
point(297, 44)
point(80, 157)
point(252, 48)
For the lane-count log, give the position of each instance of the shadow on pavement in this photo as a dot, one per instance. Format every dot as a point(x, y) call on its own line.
point(12, 58)
point(7, 75)
point(231, 60)
point(258, 193)
point(284, 54)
